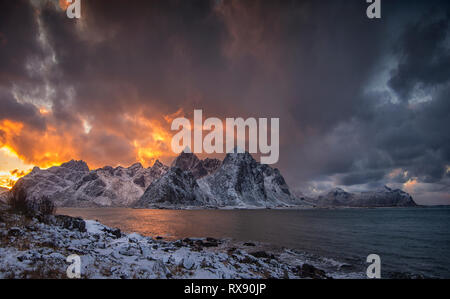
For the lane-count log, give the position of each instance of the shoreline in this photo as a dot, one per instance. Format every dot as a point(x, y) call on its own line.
point(38, 248)
point(232, 208)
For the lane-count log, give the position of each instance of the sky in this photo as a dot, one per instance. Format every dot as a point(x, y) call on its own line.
point(362, 102)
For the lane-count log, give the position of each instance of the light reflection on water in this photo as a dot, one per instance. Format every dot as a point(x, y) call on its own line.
point(415, 240)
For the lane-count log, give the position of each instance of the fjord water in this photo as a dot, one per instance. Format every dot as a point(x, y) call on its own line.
point(408, 240)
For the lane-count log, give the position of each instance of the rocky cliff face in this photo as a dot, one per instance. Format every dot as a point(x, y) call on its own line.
point(238, 181)
point(176, 188)
point(198, 168)
point(241, 181)
point(385, 197)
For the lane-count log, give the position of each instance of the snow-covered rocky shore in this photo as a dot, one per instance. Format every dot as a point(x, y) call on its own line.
point(38, 248)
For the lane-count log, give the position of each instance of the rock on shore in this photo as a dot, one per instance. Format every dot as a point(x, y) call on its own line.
point(38, 248)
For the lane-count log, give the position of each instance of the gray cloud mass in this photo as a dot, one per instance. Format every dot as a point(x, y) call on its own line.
point(362, 103)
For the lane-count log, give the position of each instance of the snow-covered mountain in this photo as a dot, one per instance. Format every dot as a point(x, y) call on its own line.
point(73, 185)
point(176, 188)
point(199, 168)
point(241, 181)
point(385, 197)
point(40, 182)
point(238, 181)
point(111, 187)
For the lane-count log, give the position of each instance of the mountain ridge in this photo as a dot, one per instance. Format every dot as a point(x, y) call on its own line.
point(385, 197)
point(236, 182)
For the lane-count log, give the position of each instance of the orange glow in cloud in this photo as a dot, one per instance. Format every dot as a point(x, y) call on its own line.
point(397, 172)
point(44, 111)
point(410, 184)
point(151, 138)
point(22, 147)
point(64, 4)
point(169, 118)
point(10, 127)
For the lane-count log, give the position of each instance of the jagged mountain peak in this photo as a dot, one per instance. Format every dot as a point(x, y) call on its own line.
point(158, 164)
point(136, 165)
point(238, 180)
point(241, 181)
point(236, 157)
point(185, 161)
point(199, 168)
point(77, 165)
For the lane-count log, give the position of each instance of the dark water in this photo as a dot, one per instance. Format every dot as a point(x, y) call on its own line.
point(408, 240)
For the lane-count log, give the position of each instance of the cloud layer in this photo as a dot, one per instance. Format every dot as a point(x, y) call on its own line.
point(361, 102)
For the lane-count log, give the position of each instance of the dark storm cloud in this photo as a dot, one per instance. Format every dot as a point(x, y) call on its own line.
point(305, 61)
point(20, 112)
point(416, 134)
point(424, 56)
point(380, 134)
point(18, 41)
point(135, 52)
point(310, 63)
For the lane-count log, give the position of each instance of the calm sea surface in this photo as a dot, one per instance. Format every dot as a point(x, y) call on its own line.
point(408, 240)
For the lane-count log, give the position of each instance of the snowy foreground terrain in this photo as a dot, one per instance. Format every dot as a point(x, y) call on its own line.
point(38, 248)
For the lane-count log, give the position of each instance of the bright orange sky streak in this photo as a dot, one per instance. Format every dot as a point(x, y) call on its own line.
point(22, 148)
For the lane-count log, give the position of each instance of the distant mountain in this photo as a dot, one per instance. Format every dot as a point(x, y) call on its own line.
point(385, 197)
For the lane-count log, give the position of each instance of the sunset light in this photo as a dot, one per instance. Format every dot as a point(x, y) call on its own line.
point(224, 139)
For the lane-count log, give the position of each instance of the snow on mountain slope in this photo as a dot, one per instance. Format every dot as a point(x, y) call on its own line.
point(73, 185)
point(238, 181)
point(111, 187)
point(46, 182)
point(176, 188)
point(199, 168)
point(241, 181)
